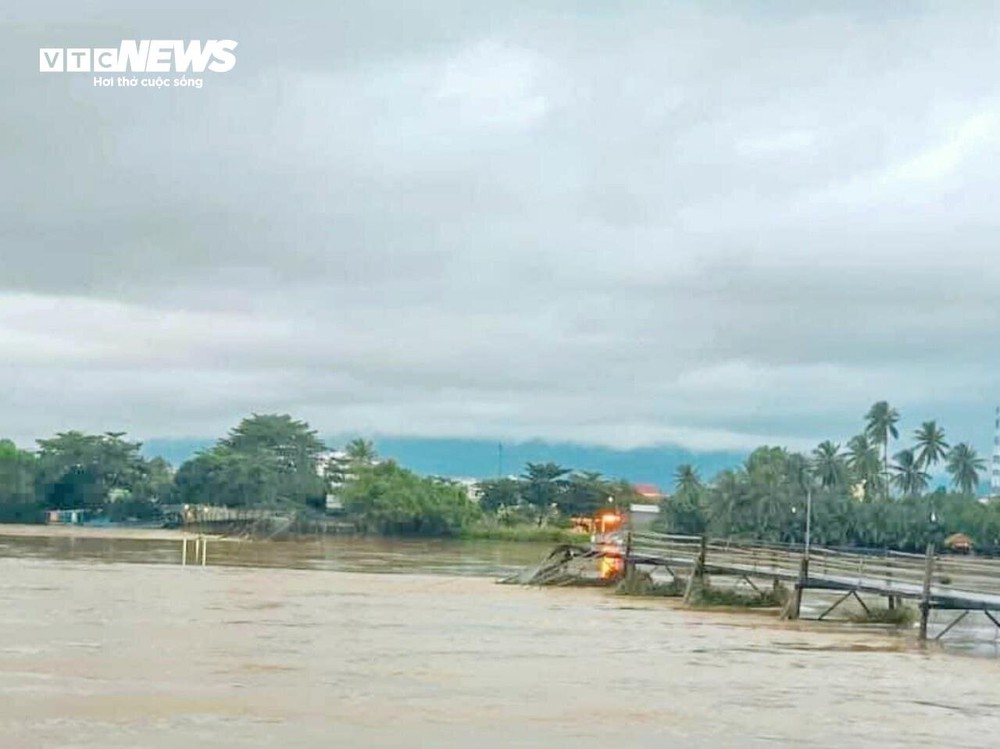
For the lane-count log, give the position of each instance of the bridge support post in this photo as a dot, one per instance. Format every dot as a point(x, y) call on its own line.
point(698, 573)
point(628, 566)
point(925, 598)
point(794, 608)
point(888, 581)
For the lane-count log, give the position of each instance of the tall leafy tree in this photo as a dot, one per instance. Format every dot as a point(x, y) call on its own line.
point(728, 503)
point(543, 483)
point(965, 465)
point(930, 444)
point(279, 435)
point(687, 481)
point(495, 494)
point(865, 465)
point(17, 473)
point(361, 451)
point(880, 426)
point(77, 470)
point(18, 502)
point(829, 465)
point(268, 460)
point(685, 512)
point(584, 493)
point(908, 475)
point(389, 499)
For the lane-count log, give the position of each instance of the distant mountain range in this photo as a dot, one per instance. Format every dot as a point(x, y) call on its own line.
point(486, 458)
point(466, 458)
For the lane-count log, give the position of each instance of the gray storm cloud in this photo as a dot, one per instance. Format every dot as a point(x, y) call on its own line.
point(644, 224)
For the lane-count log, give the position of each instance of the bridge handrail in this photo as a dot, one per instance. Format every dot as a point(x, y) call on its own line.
point(861, 565)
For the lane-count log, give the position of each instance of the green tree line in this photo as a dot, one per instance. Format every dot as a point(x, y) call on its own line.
point(868, 493)
point(273, 461)
point(100, 473)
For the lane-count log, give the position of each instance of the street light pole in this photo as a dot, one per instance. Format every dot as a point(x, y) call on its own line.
point(794, 605)
point(809, 512)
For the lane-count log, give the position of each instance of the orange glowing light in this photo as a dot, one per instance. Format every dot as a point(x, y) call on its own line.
point(610, 566)
point(610, 521)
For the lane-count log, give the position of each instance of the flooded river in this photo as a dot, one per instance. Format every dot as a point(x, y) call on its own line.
point(111, 643)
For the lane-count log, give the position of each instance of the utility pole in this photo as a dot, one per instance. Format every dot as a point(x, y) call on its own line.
point(499, 460)
point(809, 514)
point(995, 467)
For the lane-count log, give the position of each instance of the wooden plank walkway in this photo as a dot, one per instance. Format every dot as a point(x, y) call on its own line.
point(937, 581)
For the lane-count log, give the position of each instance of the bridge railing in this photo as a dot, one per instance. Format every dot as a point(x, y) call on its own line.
point(860, 567)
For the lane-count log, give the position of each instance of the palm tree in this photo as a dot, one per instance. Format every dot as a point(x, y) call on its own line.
point(865, 464)
point(726, 512)
point(964, 466)
point(687, 482)
point(584, 493)
point(909, 478)
point(686, 511)
point(880, 426)
point(361, 451)
point(930, 443)
point(829, 465)
point(543, 485)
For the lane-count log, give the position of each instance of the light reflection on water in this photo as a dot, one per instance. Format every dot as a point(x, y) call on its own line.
point(287, 644)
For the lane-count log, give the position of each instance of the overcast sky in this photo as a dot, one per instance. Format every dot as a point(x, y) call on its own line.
point(622, 223)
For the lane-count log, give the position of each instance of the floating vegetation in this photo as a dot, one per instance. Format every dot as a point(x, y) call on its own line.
point(901, 616)
point(642, 584)
point(706, 595)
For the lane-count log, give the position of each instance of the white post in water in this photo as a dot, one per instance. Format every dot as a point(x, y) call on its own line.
point(204, 550)
point(184, 551)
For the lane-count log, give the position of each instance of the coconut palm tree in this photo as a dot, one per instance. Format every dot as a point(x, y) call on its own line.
point(908, 476)
point(964, 466)
point(361, 451)
point(829, 465)
point(583, 493)
point(685, 513)
point(880, 426)
point(544, 484)
point(865, 464)
point(730, 503)
point(930, 444)
point(687, 481)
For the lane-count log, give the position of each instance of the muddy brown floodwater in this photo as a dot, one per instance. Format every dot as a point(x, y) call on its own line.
point(110, 643)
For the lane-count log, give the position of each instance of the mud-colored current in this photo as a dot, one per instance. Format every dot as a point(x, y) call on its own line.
point(111, 643)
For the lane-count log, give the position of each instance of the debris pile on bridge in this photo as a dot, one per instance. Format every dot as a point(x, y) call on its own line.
point(566, 565)
point(779, 574)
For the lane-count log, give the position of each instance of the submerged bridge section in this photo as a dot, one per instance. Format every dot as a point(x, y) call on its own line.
point(936, 581)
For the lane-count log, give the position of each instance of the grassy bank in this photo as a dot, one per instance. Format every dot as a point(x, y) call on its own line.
point(94, 531)
point(523, 533)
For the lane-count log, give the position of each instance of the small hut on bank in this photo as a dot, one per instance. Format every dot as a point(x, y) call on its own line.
point(959, 543)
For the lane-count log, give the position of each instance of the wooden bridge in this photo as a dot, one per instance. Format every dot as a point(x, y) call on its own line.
point(958, 583)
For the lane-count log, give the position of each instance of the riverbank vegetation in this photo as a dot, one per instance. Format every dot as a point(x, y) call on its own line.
point(278, 464)
point(869, 491)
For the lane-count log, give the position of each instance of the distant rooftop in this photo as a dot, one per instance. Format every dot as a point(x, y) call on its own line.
point(649, 491)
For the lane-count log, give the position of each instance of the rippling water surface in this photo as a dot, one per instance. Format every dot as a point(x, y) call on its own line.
point(111, 643)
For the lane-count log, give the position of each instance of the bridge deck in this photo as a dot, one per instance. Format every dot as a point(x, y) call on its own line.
point(962, 583)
